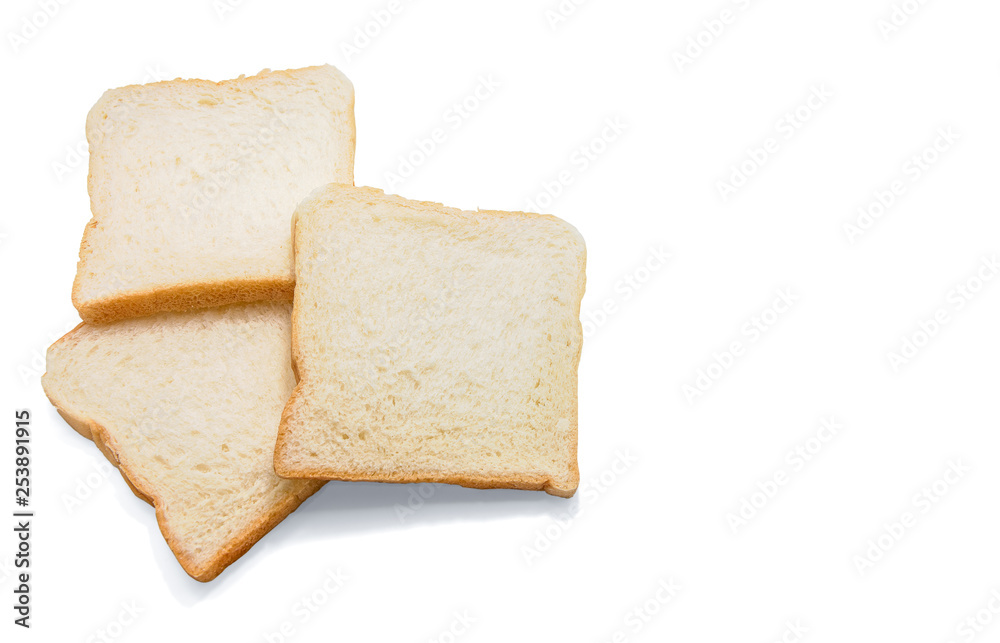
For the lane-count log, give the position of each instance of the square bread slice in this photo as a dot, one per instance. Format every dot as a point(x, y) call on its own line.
point(433, 345)
point(193, 183)
point(187, 405)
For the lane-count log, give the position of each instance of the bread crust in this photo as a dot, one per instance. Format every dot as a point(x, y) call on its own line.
point(145, 490)
point(180, 298)
point(562, 487)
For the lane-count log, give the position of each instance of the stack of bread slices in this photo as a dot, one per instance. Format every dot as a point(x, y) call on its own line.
point(255, 325)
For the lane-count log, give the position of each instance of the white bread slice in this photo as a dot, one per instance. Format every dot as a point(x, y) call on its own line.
point(433, 345)
point(187, 406)
point(193, 183)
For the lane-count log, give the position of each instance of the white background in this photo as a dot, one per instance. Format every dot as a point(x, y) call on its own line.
point(795, 564)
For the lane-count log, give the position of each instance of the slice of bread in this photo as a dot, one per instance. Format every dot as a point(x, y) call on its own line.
point(193, 183)
point(433, 345)
point(187, 406)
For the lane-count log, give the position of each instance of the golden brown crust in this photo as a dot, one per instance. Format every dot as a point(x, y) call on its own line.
point(574, 417)
point(182, 297)
point(531, 483)
point(145, 490)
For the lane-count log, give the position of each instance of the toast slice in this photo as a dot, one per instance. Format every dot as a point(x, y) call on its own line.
point(187, 405)
point(193, 183)
point(433, 345)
